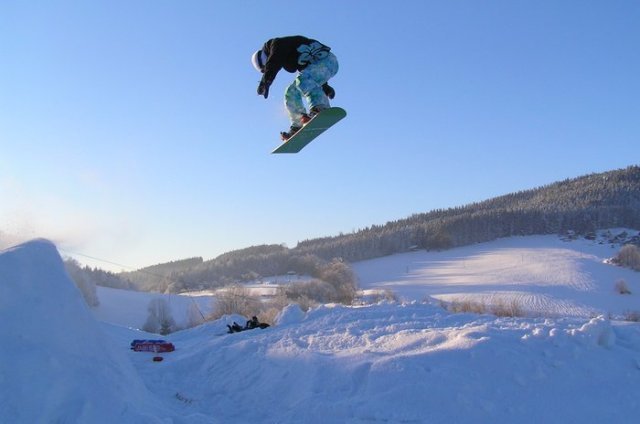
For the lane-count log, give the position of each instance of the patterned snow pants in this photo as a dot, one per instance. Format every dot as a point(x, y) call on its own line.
point(308, 84)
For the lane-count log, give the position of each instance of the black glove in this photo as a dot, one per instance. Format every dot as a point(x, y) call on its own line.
point(328, 90)
point(263, 89)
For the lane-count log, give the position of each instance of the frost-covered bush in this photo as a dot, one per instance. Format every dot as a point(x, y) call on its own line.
point(160, 319)
point(235, 300)
point(629, 256)
point(633, 316)
point(310, 293)
point(342, 279)
point(336, 283)
point(380, 296)
point(83, 281)
point(621, 287)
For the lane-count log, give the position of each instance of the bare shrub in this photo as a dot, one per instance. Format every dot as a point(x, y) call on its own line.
point(466, 306)
point(633, 316)
point(501, 308)
point(309, 294)
point(382, 296)
point(340, 276)
point(336, 283)
point(235, 300)
point(628, 256)
point(269, 315)
point(621, 287)
point(507, 308)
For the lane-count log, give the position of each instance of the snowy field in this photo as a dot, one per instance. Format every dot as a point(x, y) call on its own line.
point(130, 309)
point(544, 275)
point(386, 363)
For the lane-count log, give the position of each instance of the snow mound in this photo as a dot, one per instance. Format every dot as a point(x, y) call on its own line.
point(597, 331)
point(55, 363)
point(292, 314)
point(408, 363)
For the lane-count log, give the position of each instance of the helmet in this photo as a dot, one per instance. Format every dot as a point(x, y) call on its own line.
point(259, 59)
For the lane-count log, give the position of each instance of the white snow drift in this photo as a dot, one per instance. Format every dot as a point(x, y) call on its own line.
point(410, 362)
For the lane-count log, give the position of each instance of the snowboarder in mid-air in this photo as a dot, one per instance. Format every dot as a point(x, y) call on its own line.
point(315, 64)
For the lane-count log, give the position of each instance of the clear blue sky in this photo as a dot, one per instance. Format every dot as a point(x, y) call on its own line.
point(131, 130)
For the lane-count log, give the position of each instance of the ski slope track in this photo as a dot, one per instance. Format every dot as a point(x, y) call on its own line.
point(410, 362)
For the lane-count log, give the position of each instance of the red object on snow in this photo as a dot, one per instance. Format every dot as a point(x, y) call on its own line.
point(157, 358)
point(152, 346)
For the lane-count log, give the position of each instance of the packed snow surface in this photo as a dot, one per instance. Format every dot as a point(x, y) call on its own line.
point(389, 362)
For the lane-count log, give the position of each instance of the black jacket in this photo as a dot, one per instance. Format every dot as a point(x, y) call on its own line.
point(288, 53)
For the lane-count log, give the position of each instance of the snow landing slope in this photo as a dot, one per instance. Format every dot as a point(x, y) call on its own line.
point(385, 363)
point(56, 363)
point(414, 363)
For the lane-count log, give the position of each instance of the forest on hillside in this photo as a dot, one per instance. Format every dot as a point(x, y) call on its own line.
point(579, 206)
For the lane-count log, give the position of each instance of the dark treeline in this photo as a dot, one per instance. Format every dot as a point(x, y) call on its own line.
point(581, 205)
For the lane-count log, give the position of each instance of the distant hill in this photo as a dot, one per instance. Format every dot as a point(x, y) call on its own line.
point(165, 274)
point(581, 205)
point(577, 206)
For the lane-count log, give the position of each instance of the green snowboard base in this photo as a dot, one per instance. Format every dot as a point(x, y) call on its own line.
point(319, 124)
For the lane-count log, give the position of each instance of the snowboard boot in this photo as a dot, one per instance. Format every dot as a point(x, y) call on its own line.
point(305, 118)
point(312, 113)
point(286, 135)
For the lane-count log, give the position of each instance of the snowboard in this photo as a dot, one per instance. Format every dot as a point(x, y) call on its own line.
point(316, 126)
